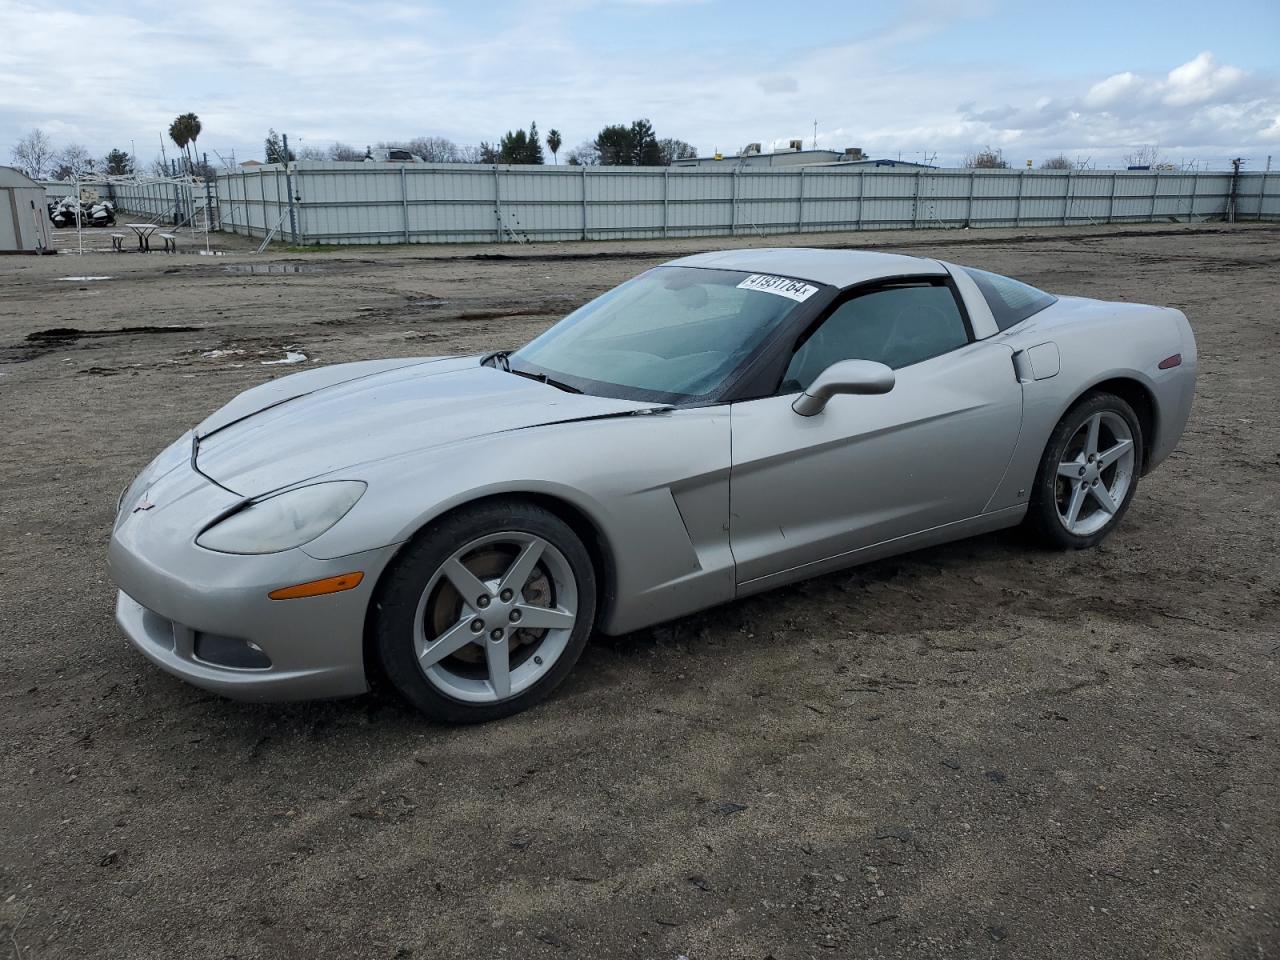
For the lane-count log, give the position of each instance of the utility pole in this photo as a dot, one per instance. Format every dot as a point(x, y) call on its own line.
point(815, 133)
point(1235, 186)
point(288, 185)
point(208, 202)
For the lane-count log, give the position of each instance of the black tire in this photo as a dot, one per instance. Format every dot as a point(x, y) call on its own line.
point(396, 602)
point(1043, 517)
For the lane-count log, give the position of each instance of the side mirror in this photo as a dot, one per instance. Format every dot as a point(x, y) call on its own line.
point(847, 376)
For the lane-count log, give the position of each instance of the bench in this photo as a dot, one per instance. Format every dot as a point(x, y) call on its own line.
point(117, 242)
point(170, 242)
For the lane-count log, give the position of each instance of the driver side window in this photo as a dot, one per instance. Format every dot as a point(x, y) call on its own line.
point(897, 326)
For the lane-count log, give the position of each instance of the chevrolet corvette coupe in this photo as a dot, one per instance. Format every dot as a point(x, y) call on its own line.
point(717, 426)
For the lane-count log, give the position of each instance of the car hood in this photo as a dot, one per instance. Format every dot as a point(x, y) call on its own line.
point(336, 417)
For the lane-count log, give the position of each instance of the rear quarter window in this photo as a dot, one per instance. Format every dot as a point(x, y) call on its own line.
point(1011, 301)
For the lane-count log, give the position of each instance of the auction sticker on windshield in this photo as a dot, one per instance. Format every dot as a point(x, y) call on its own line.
point(796, 290)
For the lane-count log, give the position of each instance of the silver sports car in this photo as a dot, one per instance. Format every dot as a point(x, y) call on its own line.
point(720, 425)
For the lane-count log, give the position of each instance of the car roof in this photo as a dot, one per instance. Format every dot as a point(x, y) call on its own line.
point(839, 268)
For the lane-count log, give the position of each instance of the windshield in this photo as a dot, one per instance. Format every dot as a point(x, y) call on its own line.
point(671, 334)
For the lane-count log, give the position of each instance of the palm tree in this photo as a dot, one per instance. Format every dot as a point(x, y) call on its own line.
point(184, 131)
point(553, 143)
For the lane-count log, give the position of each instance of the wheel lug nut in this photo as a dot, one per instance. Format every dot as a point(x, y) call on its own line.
point(515, 616)
point(477, 626)
point(496, 635)
point(506, 596)
point(482, 602)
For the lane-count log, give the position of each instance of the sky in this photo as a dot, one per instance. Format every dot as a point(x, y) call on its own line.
point(920, 79)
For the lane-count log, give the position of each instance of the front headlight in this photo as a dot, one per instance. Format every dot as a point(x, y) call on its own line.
point(285, 520)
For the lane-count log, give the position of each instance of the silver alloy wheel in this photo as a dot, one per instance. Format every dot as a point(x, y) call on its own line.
point(489, 595)
point(1092, 485)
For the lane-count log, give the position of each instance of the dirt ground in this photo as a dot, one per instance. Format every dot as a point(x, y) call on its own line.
point(981, 750)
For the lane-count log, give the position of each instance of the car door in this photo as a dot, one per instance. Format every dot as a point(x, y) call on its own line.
point(870, 469)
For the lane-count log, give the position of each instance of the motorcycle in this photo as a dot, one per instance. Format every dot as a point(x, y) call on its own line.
point(67, 212)
point(102, 214)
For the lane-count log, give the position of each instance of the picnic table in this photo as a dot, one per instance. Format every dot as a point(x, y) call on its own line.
point(144, 232)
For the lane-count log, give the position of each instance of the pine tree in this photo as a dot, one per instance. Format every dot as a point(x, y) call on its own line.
point(117, 163)
point(633, 146)
point(645, 151)
point(533, 146)
point(274, 148)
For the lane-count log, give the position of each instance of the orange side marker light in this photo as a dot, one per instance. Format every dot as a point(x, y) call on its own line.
point(318, 588)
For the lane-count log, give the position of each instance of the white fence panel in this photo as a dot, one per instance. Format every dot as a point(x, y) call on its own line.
point(336, 203)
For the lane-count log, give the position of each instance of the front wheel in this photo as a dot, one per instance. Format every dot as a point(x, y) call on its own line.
point(486, 612)
point(1088, 474)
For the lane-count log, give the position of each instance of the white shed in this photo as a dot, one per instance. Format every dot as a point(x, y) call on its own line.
point(24, 217)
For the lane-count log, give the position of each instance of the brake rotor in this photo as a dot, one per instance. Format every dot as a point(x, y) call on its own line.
point(489, 564)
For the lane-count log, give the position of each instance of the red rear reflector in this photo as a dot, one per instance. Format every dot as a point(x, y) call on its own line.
point(1170, 362)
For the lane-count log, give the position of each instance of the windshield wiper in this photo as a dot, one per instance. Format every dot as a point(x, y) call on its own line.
point(543, 378)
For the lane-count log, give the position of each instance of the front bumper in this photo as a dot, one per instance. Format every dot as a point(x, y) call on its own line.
point(173, 591)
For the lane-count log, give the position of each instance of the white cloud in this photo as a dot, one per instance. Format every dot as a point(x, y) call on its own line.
point(1200, 80)
point(363, 72)
point(1116, 87)
point(1198, 110)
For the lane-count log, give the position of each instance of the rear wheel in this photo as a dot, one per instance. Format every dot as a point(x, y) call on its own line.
point(1088, 474)
point(486, 612)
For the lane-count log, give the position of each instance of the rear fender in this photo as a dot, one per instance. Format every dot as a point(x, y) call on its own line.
point(1099, 342)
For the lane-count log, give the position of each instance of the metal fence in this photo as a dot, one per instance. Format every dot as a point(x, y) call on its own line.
point(451, 203)
point(163, 201)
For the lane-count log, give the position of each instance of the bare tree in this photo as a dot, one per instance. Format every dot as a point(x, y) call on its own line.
point(71, 162)
point(435, 149)
point(204, 170)
point(345, 152)
point(673, 149)
point(312, 153)
point(33, 154)
point(1145, 155)
point(585, 154)
point(1060, 162)
point(986, 159)
point(430, 149)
